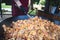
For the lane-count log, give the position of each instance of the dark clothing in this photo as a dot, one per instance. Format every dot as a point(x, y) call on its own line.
point(16, 11)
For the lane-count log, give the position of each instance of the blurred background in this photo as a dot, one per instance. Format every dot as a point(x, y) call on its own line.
point(36, 6)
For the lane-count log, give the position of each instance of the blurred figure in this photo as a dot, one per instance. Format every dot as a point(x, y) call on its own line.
point(18, 7)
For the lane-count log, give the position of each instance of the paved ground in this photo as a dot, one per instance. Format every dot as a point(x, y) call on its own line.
point(4, 17)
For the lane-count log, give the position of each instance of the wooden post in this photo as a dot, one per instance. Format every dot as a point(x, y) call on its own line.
point(0, 8)
point(31, 4)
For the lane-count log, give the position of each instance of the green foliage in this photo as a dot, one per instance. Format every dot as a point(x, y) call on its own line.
point(5, 6)
point(32, 12)
point(42, 2)
point(36, 1)
point(54, 3)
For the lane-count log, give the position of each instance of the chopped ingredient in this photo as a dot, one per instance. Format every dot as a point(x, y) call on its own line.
point(32, 29)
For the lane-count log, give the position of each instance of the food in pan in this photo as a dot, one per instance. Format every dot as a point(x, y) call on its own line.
point(32, 29)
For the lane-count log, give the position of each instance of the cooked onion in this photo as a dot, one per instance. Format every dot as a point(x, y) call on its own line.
point(32, 29)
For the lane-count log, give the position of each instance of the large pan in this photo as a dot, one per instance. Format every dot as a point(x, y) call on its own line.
point(8, 22)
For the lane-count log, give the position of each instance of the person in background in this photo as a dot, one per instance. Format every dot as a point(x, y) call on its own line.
point(56, 4)
point(19, 6)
